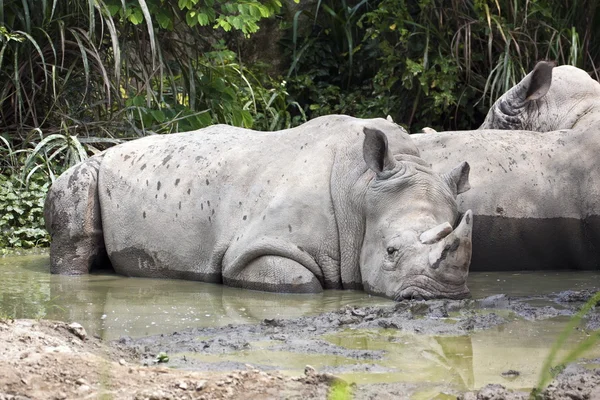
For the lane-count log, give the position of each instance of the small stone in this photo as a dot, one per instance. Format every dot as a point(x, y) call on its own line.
point(309, 370)
point(182, 385)
point(358, 312)
point(200, 385)
point(83, 388)
point(77, 330)
point(81, 381)
point(61, 396)
point(122, 362)
point(511, 373)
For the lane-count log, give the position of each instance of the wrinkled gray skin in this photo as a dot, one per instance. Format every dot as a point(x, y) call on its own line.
point(334, 203)
point(535, 188)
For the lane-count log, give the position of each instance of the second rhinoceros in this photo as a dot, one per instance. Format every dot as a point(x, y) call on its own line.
point(536, 183)
point(338, 202)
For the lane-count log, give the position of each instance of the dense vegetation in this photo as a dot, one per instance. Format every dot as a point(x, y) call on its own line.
point(80, 75)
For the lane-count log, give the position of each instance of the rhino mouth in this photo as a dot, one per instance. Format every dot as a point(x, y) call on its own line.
point(426, 288)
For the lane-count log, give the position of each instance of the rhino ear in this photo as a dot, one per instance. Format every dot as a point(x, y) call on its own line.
point(540, 80)
point(376, 152)
point(458, 178)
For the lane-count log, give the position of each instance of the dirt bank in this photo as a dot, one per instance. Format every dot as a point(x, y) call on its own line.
point(51, 360)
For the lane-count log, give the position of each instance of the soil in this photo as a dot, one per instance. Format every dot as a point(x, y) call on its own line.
point(55, 360)
point(52, 360)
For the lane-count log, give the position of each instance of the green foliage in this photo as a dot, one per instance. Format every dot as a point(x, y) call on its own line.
point(22, 220)
point(431, 62)
point(80, 75)
point(552, 366)
point(114, 68)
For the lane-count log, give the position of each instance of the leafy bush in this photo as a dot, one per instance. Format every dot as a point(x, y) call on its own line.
point(22, 220)
point(430, 62)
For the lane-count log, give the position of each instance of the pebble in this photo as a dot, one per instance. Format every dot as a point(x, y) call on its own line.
point(83, 388)
point(200, 385)
point(122, 362)
point(77, 330)
point(309, 370)
point(182, 385)
point(81, 381)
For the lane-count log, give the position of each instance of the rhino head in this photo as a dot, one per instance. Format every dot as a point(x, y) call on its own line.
point(549, 98)
point(411, 248)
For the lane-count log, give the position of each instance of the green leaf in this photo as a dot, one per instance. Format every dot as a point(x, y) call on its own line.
point(136, 17)
point(158, 115)
point(203, 19)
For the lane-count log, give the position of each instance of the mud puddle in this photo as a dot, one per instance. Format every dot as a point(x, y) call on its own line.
point(419, 349)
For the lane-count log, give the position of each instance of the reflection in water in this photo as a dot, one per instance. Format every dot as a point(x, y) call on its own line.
point(112, 306)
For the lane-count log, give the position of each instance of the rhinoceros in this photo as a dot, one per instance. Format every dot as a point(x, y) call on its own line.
point(337, 202)
point(536, 186)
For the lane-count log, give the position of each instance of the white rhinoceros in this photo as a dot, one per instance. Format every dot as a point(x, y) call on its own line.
point(536, 188)
point(338, 202)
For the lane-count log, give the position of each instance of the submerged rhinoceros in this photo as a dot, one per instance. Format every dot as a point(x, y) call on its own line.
point(338, 202)
point(536, 188)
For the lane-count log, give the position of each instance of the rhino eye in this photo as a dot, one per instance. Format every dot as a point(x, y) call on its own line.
point(391, 250)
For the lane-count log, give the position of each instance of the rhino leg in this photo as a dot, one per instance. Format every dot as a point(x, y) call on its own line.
point(72, 217)
point(274, 274)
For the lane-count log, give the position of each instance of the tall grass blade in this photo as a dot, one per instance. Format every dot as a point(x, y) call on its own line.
point(574, 322)
point(148, 19)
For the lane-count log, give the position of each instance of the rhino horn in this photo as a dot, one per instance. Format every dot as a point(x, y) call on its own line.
point(436, 234)
point(454, 250)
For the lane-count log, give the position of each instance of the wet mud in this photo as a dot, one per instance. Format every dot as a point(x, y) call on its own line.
point(207, 349)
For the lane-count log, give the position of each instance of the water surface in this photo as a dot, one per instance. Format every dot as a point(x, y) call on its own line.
point(112, 306)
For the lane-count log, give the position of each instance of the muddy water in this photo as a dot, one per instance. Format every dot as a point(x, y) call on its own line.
point(112, 306)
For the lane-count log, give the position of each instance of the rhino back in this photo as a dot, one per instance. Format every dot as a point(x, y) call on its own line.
point(534, 197)
point(190, 205)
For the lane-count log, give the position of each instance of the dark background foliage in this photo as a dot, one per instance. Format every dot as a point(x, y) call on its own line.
point(77, 76)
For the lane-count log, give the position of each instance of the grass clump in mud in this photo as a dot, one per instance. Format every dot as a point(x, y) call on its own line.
point(552, 367)
point(340, 390)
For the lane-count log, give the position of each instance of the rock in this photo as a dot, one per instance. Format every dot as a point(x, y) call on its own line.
point(358, 312)
point(81, 381)
point(76, 329)
point(511, 373)
point(83, 389)
point(309, 370)
point(200, 385)
point(122, 362)
point(182, 385)
point(495, 301)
